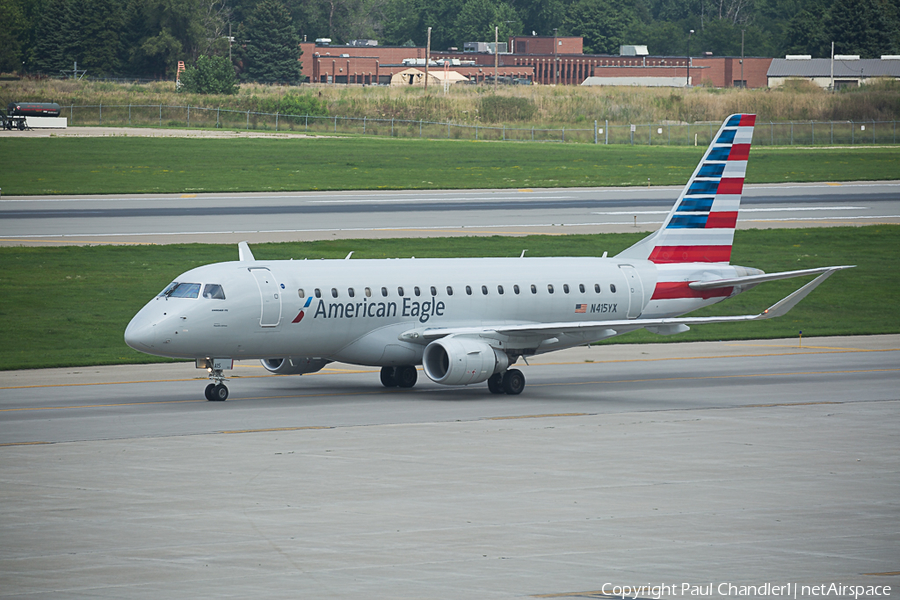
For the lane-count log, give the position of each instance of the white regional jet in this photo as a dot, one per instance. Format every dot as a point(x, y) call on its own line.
point(465, 320)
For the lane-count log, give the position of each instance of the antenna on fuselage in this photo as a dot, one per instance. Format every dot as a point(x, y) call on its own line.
point(523, 253)
point(349, 255)
point(244, 254)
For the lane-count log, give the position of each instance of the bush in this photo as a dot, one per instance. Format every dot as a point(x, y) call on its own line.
point(211, 75)
point(293, 104)
point(501, 108)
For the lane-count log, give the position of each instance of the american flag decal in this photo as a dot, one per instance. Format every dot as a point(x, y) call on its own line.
point(580, 308)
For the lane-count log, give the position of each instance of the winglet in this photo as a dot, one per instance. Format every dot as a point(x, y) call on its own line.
point(244, 254)
point(785, 304)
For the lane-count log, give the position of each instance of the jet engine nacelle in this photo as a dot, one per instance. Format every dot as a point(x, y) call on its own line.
point(293, 366)
point(461, 361)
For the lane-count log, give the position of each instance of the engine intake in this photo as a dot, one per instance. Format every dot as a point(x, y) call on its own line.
point(293, 366)
point(461, 361)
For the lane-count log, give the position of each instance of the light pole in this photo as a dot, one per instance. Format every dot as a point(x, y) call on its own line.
point(496, 55)
point(743, 83)
point(688, 83)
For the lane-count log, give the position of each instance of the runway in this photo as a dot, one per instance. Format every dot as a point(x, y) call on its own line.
point(262, 217)
point(740, 463)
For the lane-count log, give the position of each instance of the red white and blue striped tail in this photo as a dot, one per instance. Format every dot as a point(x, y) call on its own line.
point(700, 227)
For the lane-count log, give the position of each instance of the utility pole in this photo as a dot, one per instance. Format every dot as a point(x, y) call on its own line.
point(427, 57)
point(555, 58)
point(743, 83)
point(496, 55)
point(688, 83)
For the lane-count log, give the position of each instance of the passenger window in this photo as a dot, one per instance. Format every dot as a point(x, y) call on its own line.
point(581, 287)
point(433, 291)
point(612, 288)
point(417, 291)
point(516, 289)
point(484, 290)
point(469, 290)
point(597, 288)
point(300, 293)
point(368, 292)
point(334, 293)
point(400, 291)
point(384, 292)
point(184, 290)
point(550, 287)
point(318, 293)
point(213, 291)
point(449, 291)
point(566, 288)
point(500, 289)
point(350, 292)
point(533, 289)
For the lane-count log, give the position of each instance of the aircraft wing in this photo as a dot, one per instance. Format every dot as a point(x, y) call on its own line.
point(603, 329)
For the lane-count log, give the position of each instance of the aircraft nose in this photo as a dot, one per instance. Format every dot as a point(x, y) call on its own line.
point(140, 334)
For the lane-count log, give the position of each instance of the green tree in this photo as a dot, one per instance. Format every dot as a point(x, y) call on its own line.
point(604, 25)
point(95, 27)
point(860, 27)
point(210, 75)
point(477, 19)
point(273, 49)
point(12, 30)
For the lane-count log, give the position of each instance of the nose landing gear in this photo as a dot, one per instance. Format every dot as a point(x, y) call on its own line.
point(216, 391)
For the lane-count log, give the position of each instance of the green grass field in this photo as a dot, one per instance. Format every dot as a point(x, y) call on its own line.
point(69, 306)
point(119, 165)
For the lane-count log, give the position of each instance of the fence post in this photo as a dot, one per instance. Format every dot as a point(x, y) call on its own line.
point(504, 133)
point(217, 119)
point(606, 141)
point(873, 131)
point(129, 115)
point(248, 119)
point(276, 121)
point(773, 132)
point(335, 123)
point(595, 131)
point(532, 133)
point(448, 128)
point(72, 114)
point(420, 128)
point(392, 128)
point(812, 131)
point(307, 122)
point(189, 117)
point(564, 135)
point(832, 133)
point(160, 115)
point(650, 134)
point(364, 125)
point(689, 134)
point(852, 133)
point(476, 132)
point(792, 133)
point(101, 113)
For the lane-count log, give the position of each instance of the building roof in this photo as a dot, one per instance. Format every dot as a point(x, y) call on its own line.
point(821, 67)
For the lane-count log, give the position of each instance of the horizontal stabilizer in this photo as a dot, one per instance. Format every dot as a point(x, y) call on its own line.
point(754, 279)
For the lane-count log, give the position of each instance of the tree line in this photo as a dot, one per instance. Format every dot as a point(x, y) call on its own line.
point(147, 38)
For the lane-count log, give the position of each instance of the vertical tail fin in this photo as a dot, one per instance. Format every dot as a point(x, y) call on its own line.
point(700, 227)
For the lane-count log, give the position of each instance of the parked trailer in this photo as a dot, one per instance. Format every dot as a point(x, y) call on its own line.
point(18, 112)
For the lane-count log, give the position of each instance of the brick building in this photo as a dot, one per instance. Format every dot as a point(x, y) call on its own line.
point(531, 59)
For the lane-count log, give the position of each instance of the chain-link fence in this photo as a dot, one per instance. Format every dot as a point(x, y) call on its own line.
point(655, 134)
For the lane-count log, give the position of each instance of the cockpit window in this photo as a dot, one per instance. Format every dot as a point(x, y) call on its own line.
point(213, 291)
point(167, 289)
point(182, 290)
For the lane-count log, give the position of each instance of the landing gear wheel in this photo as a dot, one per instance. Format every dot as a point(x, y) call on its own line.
point(209, 391)
point(495, 383)
point(513, 382)
point(388, 377)
point(22, 125)
point(406, 376)
point(219, 393)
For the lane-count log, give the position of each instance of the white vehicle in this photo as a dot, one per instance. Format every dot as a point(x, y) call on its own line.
point(465, 320)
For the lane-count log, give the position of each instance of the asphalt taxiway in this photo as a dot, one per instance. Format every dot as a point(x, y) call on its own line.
point(267, 217)
point(746, 462)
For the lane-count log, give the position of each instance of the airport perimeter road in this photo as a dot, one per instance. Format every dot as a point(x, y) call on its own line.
point(261, 217)
point(707, 464)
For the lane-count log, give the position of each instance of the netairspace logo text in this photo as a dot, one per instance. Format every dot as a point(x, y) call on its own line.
point(787, 590)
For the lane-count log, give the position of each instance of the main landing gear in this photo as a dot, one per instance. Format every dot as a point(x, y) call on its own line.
point(216, 391)
point(511, 382)
point(403, 376)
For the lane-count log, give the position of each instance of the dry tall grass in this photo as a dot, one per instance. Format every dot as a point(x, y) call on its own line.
point(554, 106)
